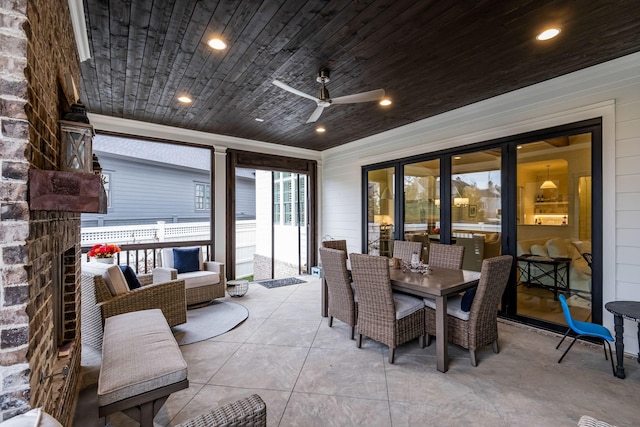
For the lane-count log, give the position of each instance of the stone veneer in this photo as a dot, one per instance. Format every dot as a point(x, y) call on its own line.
point(37, 50)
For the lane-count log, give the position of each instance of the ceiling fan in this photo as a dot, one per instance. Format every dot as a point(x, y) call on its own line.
point(324, 100)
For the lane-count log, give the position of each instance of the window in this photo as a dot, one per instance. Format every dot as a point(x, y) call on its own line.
point(286, 199)
point(276, 199)
point(106, 183)
point(202, 196)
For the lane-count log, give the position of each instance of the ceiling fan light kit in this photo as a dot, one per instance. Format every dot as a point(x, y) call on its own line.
point(324, 99)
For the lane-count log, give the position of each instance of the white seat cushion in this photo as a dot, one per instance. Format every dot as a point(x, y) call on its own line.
point(406, 304)
point(195, 279)
point(453, 307)
point(111, 274)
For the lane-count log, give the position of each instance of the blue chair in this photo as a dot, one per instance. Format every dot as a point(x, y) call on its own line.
point(585, 329)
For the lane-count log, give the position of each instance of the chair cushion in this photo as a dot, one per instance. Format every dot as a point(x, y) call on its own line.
point(453, 307)
point(186, 260)
point(467, 299)
point(195, 279)
point(557, 248)
point(539, 250)
point(406, 304)
point(111, 274)
point(130, 277)
point(139, 354)
point(33, 418)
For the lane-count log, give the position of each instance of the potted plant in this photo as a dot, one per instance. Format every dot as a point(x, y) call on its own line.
point(104, 252)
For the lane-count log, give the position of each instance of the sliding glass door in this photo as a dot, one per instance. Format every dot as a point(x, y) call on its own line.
point(380, 211)
point(533, 196)
point(476, 205)
point(281, 225)
point(554, 231)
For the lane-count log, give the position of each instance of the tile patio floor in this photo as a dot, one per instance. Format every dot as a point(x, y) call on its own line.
point(313, 375)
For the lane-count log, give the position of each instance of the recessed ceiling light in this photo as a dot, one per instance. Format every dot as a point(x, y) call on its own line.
point(320, 129)
point(185, 99)
point(457, 158)
point(258, 119)
point(217, 44)
point(519, 147)
point(548, 34)
point(385, 101)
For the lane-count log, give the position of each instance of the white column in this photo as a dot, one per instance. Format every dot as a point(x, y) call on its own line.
point(220, 203)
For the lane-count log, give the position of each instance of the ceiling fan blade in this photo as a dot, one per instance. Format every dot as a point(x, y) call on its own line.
point(372, 95)
point(292, 90)
point(316, 114)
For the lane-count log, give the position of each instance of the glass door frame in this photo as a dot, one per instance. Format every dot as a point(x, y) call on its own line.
point(252, 160)
point(594, 128)
point(508, 146)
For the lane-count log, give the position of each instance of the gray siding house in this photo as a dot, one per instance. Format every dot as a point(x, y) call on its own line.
point(149, 181)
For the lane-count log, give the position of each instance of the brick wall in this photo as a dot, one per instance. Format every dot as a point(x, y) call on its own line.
point(37, 49)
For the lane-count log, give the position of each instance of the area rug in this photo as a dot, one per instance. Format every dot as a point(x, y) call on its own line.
point(209, 321)
point(280, 282)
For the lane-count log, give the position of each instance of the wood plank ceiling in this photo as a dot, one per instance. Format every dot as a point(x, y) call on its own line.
point(430, 56)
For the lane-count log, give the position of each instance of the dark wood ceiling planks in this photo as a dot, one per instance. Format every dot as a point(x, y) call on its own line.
point(430, 57)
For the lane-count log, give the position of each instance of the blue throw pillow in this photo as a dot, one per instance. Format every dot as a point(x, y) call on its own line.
point(186, 260)
point(130, 277)
point(467, 299)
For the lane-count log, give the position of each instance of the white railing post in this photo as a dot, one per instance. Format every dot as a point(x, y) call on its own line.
point(160, 233)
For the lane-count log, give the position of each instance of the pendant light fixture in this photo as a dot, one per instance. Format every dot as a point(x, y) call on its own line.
point(548, 183)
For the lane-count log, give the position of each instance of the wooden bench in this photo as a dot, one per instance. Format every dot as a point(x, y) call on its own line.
point(141, 366)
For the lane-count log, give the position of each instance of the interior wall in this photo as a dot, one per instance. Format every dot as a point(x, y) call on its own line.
point(610, 90)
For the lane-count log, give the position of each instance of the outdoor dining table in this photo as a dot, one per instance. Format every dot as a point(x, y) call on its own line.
point(438, 284)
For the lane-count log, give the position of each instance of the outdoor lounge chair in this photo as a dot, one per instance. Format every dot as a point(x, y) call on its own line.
point(204, 280)
point(250, 411)
point(99, 303)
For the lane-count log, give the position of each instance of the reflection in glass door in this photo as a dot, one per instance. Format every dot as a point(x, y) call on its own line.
point(281, 225)
point(476, 205)
point(422, 204)
point(554, 228)
point(380, 211)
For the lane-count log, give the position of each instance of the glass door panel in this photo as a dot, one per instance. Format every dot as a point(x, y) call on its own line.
point(289, 225)
point(554, 228)
point(380, 211)
point(422, 203)
point(281, 225)
point(476, 205)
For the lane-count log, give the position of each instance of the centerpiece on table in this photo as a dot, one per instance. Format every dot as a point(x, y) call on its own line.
point(104, 253)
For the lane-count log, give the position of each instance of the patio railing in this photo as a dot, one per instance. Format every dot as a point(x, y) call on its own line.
point(141, 244)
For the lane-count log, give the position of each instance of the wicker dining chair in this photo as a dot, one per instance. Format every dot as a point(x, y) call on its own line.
point(403, 249)
point(390, 318)
point(336, 244)
point(446, 256)
point(341, 303)
point(480, 327)
point(250, 411)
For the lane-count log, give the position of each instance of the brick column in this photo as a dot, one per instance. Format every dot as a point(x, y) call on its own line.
point(15, 388)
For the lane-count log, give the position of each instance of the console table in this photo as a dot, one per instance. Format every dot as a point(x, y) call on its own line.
point(556, 269)
point(623, 310)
